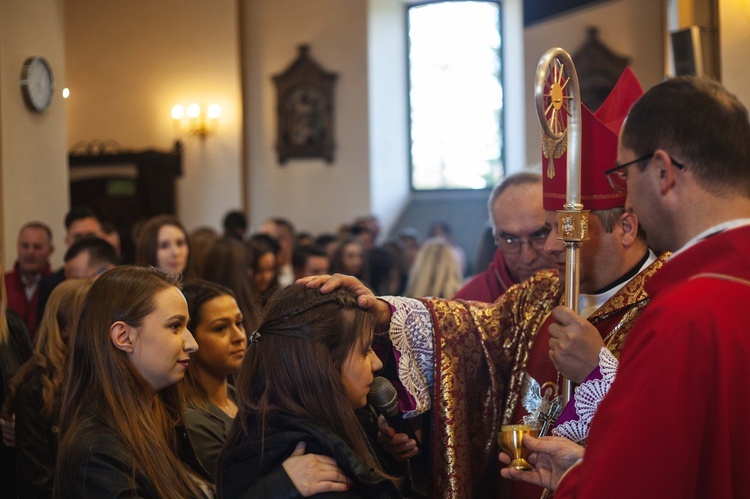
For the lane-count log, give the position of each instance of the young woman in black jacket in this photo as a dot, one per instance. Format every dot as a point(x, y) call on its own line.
point(120, 417)
point(308, 366)
point(34, 396)
point(15, 349)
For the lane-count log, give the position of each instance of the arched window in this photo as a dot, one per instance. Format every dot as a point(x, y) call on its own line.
point(455, 94)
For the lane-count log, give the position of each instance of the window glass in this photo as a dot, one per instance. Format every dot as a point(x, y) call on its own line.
point(455, 95)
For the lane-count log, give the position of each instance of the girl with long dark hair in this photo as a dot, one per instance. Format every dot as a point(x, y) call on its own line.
point(119, 434)
point(309, 366)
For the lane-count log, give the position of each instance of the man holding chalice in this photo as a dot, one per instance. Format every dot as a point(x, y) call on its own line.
point(674, 423)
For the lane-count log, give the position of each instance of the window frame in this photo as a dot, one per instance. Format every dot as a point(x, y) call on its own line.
point(501, 78)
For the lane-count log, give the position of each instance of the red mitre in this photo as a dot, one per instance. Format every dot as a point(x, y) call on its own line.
point(598, 151)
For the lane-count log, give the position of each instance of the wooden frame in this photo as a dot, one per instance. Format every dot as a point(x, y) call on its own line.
point(304, 109)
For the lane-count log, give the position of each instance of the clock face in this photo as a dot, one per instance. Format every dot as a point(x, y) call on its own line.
point(37, 84)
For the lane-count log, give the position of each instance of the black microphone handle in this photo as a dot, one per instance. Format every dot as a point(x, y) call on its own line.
point(401, 426)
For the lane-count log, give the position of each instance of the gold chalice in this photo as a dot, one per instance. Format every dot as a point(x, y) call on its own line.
point(510, 439)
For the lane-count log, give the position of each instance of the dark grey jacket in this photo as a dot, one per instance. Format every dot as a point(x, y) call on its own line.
point(246, 473)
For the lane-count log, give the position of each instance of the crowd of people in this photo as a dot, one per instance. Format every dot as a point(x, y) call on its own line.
point(227, 280)
point(235, 365)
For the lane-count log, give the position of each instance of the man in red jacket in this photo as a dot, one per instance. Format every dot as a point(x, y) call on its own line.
point(674, 423)
point(517, 216)
point(22, 283)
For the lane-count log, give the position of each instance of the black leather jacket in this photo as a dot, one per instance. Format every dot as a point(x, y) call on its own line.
point(12, 355)
point(36, 440)
point(98, 465)
point(246, 473)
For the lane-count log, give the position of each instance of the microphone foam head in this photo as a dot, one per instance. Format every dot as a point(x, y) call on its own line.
point(383, 396)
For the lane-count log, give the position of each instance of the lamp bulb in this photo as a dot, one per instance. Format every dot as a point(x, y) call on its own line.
point(178, 112)
point(213, 112)
point(193, 111)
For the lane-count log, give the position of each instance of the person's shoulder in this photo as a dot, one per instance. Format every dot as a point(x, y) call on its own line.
point(95, 463)
point(543, 283)
point(94, 436)
point(49, 281)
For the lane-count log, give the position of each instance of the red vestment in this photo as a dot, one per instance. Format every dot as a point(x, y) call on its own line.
point(489, 285)
point(675, 422)
point(481, 353)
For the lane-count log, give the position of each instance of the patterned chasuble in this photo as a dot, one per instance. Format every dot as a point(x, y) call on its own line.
point(481, 353)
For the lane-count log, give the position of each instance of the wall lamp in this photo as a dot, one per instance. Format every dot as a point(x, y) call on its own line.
point(196, 121)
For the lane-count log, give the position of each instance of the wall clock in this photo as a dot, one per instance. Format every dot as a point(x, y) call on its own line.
point(37, 83)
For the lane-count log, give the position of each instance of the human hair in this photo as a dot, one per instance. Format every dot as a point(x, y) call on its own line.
point(257, 246)
point(284, 225)
point(436, 271)
point(226, 264)
point(302, 253)
point(521, 178)
point(147, 241)
point(50, 346)
point(358, 230)
point(337, 262)
point(440, 228)
point(37, 225)
point(103, 383)
point(197, 292)
point(101, 253)
point(201, 240)
point(701, 124)
point(79, 213)
point(303, 239)
point(235, 220)
point(609, 219)
point(324, 240)
point(294, 367)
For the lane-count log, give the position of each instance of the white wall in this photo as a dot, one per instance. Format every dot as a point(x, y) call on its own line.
point(33, 152)
point(389, 133)
point(632, 28)
point(734, 36)
point(315, 195)
point(130, 62)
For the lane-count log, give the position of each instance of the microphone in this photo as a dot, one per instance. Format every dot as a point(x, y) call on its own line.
point(384, 398)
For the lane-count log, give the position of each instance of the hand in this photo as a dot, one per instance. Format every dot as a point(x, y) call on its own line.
point(366, 299)
point(312, 474)
point(399, 445)
point(9, 431)
point(575, 344)
point(551, 457)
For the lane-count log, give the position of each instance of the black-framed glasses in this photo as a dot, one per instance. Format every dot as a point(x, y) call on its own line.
point(617, 177)
point(512, 245)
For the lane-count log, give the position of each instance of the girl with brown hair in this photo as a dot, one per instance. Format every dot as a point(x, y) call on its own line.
point(227, 264)
point(209, 402)
point(309, 365)
point(120, 410)
point(34, 395)
point(163, 243)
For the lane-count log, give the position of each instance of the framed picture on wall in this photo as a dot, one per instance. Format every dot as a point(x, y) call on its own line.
point(304, 110)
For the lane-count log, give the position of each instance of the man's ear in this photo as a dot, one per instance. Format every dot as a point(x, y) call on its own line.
point(667, 171)
point(122, 336)
point(629, 224)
